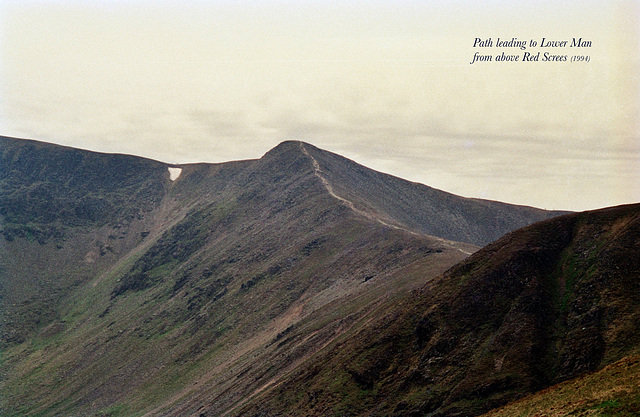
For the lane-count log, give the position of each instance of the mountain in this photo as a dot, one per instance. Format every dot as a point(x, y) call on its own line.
point(546, 303)
point(126, 292)
point(420, 208)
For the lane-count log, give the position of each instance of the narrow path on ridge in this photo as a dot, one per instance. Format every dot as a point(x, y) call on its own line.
point(349, 203)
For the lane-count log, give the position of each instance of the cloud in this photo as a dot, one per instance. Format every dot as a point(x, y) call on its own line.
point(388, 85)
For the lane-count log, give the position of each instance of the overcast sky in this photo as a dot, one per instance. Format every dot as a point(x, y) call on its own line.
point(386, 83)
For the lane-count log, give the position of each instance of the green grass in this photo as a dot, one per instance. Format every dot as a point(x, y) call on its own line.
point(118, 410)
point(608, 405)
point(612, 391)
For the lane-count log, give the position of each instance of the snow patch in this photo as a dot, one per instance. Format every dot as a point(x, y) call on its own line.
point(174, 173)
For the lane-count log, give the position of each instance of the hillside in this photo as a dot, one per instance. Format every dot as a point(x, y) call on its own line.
point(610, 391)
point(421, 208)
point(126, 293)
point(546, 303)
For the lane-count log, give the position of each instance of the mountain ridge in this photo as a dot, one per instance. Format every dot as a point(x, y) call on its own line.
point(417, 207)
point(349, 190)
point(122, 297)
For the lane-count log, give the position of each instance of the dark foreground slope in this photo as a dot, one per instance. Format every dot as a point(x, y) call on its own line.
point(611, 391)
point(125, 293)
point(543, 304)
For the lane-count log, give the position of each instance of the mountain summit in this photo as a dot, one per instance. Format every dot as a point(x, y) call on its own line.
point(126, 291)
point(416, 207)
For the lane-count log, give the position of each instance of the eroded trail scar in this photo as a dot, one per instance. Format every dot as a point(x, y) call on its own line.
point(348, 203)
point(327, 185)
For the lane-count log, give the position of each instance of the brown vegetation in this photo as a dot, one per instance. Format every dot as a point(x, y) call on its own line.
point(293, 284)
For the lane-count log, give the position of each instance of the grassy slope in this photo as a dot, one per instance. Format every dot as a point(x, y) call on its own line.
point(611, 391)
point(65, 217)
point(200, 295)
point(239, 260)
point(543, 304)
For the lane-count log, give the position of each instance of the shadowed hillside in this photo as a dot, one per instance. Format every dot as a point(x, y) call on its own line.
point(46, 189)
point(65, 216)
point(126, 293)
point(543, 304)
point(611, 391)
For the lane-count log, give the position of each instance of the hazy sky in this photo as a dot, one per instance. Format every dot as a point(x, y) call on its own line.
point(386, 83)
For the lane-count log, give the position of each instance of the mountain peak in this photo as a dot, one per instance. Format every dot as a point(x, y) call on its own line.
point(238, 272)
point(284, 148)
point(401, 204)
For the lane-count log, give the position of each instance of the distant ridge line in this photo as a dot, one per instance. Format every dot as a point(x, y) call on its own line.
point(349, 203)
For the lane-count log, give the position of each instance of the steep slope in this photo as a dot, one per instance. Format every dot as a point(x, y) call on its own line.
point(421, 208)
point(543, 304)
point(120, 313)
point(66, 215)
point(129, 293)
point(47, 189)
point(611, 391)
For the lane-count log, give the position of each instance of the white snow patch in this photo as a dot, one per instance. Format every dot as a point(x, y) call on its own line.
point(174, 173)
